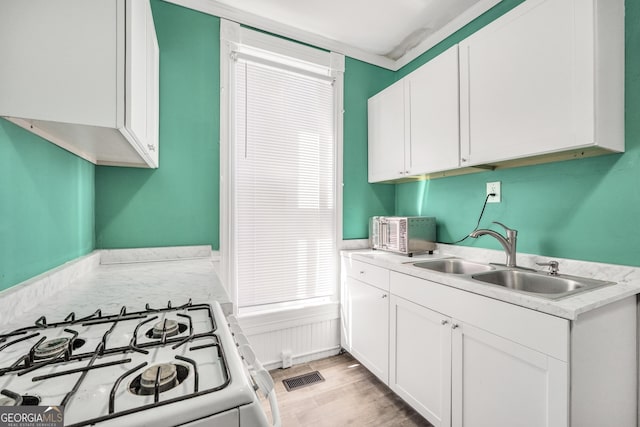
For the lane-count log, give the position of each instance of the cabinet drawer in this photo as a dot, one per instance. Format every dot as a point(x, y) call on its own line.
point(542, 332)
point(371, 274)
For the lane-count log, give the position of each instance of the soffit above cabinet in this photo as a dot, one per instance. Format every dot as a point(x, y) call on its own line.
point(389, 34)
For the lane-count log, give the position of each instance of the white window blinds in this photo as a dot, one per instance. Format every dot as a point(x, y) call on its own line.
point(284, 184)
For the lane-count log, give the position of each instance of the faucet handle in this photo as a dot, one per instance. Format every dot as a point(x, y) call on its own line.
point(510, 231)
point(553, 267)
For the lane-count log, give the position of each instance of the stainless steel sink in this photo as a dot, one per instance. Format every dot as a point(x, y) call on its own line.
point(454, 266)
point(540, 284)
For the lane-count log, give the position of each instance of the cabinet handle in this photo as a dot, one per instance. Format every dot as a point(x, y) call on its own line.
point(444, 322)
point(384, 295)
point(454, 326)
point(362, 272)
point(401, 173)
point(463, 159)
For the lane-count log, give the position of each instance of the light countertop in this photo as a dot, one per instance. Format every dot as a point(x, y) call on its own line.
point(111, 279)
point(108, 280)
point(627, 278)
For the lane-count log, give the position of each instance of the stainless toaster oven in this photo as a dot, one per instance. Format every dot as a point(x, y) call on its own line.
point(403, 234)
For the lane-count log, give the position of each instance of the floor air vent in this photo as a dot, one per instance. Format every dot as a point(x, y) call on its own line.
point(300, 381)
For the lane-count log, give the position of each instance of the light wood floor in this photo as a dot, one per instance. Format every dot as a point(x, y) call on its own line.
point(349, 396)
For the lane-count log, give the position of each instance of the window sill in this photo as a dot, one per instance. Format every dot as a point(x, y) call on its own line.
point(258, 323)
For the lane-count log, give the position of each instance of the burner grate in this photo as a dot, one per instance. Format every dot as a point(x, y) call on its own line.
point(205, 337)
point(300, 381)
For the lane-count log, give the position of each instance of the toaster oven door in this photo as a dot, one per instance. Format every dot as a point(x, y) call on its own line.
point(394, 238)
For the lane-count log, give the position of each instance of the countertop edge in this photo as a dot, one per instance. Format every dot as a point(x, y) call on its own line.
point(27, 295)
point(45, 288)
point(627, 278)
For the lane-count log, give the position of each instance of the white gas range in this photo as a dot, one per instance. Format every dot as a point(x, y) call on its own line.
point(160, 366)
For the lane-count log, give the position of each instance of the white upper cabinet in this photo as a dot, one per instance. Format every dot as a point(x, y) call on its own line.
point(544, 82)
point(387, 134)
point(142, 77)
point(547, 77)
point(83, 75)
point(413, 124)
point(434, 115)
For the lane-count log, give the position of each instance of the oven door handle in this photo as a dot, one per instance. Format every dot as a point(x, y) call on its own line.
point(265, 382)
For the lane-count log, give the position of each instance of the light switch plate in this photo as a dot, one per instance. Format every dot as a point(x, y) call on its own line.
point(494, 187)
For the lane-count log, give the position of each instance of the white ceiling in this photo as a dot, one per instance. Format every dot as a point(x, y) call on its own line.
point(388, 33)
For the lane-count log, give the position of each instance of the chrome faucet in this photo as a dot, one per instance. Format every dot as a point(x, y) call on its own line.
point(508, 243)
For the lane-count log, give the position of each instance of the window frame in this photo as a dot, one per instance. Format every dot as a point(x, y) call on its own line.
point(233, 38)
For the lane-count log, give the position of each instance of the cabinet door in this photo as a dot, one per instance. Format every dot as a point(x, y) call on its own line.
point(387, 134)
point(420, 359)
point(527, 82)
point(153, 90)
point(59, 60)
point(369, 308)
point(497, 382)
point(142, 79)
point(434, 115)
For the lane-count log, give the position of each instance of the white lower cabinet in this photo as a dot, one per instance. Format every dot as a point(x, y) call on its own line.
point(465, 360)
point(497, 382)
point(369, 308)
point(453, 373)
point(420, 359)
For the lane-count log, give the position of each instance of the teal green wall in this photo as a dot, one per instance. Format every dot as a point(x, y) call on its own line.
point(585, 209)
point(361, 199)
point(176, 204)
point(46, 205)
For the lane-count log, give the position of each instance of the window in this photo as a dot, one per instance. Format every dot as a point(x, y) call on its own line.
point(283, 146)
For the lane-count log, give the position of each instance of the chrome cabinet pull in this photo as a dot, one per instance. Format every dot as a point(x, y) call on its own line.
point(454, 326)
point(444, 322)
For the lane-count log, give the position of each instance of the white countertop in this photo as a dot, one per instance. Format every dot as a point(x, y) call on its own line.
point(113, 278)
point(627, 278)
point(108, 280)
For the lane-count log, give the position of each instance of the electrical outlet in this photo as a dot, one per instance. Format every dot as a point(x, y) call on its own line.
point(494, 187)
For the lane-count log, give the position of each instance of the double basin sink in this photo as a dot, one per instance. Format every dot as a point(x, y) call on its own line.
point(520, 280)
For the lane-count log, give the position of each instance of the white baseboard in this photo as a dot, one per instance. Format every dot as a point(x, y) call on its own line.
point(305, 341)
point(304, 358)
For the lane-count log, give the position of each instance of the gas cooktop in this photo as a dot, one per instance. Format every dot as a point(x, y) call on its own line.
point(139, 365)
